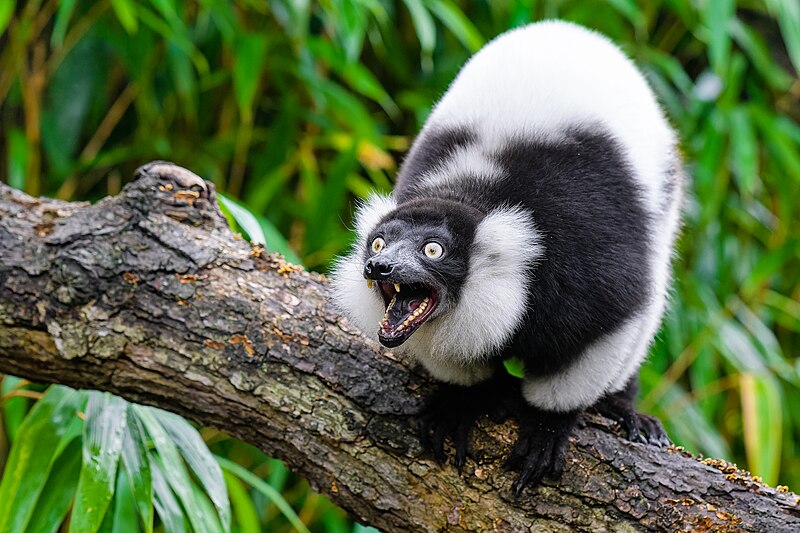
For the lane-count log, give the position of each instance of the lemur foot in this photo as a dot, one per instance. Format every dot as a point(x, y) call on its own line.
point(453, 410)
point(638, 427)
point(541, 446)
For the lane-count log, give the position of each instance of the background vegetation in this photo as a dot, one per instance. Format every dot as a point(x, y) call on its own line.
point(295, 108)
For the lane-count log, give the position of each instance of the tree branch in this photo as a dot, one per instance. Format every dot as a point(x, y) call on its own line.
point(150, 296)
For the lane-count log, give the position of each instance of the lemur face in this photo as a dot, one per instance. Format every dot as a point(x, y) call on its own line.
point(417, 258)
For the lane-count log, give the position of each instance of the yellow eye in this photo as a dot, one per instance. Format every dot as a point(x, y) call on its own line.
point(377, 245)
point(433, 250)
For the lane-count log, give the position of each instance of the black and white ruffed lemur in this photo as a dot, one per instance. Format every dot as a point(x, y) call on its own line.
point(534, 217)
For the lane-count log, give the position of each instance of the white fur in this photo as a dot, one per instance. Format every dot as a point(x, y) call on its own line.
point(363, 306)
point(466, 161)
point(590, 377)
point(541, 79)
point(492, 302)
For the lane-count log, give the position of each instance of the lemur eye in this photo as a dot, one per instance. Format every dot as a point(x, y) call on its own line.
point(434, 250)
point(377, 245)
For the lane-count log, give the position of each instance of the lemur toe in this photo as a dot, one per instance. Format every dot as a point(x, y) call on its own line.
point(638, 427)
point(447, 414)
point(653, 430)
point(540, 450)
point(461, 441)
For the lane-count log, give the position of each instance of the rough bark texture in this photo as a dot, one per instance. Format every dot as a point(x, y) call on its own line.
point(150, 296)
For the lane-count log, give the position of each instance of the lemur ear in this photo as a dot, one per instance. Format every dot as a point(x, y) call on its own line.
point(371, 211)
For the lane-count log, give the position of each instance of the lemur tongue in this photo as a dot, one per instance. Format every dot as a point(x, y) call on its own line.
point(405, 312)
point(401, 307)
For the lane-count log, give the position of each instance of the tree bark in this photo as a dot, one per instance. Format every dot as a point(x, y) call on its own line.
point(150, 296)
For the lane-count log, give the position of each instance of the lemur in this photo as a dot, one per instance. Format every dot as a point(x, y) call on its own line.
point(534, 217)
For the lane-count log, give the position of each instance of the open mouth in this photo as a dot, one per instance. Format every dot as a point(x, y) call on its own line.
point(408, 306)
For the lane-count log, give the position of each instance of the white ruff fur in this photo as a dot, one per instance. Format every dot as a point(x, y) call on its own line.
point(491, 305)
point(363, 306)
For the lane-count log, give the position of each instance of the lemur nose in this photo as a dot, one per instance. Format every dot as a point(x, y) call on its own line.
point(378, 269)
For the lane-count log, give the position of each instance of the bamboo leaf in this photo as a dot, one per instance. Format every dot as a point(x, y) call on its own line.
point(200, 460)
point(247, 519)
point(56, 498)
point(762, 413)
point(174, 471)
point(250, 55)
point(124, 516)
point(137, 466)
point(125, 10)
point(166, 504)
point(26, 473)
point(426, 30)
point(458, 23)
point(265, 489)
point(6, 12)
point(102, 444)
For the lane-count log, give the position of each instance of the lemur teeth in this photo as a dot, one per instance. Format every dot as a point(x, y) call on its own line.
point(369, 283)
point(397, 287)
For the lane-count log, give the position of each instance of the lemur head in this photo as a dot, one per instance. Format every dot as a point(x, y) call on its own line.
point(417, 259)
point(462, 274)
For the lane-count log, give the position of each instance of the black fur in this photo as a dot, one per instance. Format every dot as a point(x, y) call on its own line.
point(429, 150)
point(586, 205)
point(594, 275)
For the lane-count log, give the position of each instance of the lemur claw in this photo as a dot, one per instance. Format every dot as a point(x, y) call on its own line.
point(540, 450)
point(638, 427)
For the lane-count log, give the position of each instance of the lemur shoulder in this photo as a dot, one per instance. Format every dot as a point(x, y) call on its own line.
point(534, 217)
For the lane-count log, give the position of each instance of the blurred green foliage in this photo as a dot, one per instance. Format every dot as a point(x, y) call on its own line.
point(294, 108)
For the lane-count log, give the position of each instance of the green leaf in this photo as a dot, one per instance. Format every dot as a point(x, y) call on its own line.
point(14, 409)
point(200, 460)
point(102, 444)
point(350, 25)
point(458, 23)
point(246, 220)
point(762, 414)
point(18, 156)
point(26, 472)
point(787, 14)
point(175, 472)
point(718, 16)
point(56, 497)
point(125, 518)
point(247, 68)
point(137, 465)
point(63, 14)
point(259, 229)
point(425, 28)
point(166, 504)
point(515, 366)
point(744, 149)
point(760, 56)
point(6, 12)
point(126, 14)
point(265, 489)
point(247, 519)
